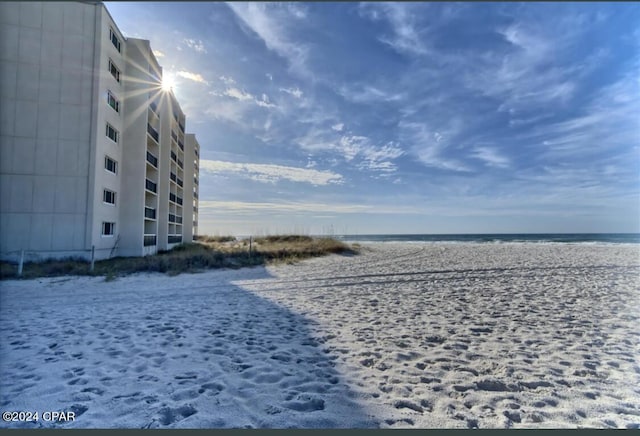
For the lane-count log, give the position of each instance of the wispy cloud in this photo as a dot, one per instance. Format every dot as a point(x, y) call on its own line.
point(368, 94)
point(194, 44)
point(196, 77)
point(491, 157)
point(265, 173)
point(292, 91)
point(405, 34)
point(268, 22)
point(284, 206)
point(241, 95)
point(227, 80)
point(430, 144)
point(158, 53)
point(355, 149)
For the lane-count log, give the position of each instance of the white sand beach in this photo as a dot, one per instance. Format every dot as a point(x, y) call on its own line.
point(431, 335)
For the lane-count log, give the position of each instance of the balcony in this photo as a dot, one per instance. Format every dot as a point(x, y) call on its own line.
point(149, 213)
point(174, 157)
point(181, 145)
point(154, 107)
point(174, 239)
point(195, 195)
point(153, 132)
point(173, 177)
point(172, 197)
point(178, 220)
point(180, 164)
point(181, 126)
point(195, 181)
point(172, 218)
point(149, 240)
point(179, 201)
point(179, 182)
point(152, 159)
point(174, 136)
point(153, 187)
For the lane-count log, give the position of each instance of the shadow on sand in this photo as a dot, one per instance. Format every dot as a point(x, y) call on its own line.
point(149, 351)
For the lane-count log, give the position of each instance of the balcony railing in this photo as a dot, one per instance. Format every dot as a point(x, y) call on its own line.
point(174, 136)
point(173, 177)
point(178, 220)
point(152, 159)
point(149, 213)
point(172, 218)
point(172, 197)
point(174, 239)
point(149, 240)
point(153, 187)
point(180, 164)
point(153, 132)
point(179, 182)
point(174, 157)
point(179, 201)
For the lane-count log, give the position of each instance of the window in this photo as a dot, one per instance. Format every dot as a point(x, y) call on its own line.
point(108, 196)
point(113, 101)
point(114, 39)
point(110, 165)
point(112, 133)
point(115, 72)
point(108, 229)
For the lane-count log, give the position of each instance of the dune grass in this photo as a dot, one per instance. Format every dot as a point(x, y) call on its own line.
point(207, 252)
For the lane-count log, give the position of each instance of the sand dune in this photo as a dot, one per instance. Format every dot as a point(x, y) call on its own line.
point(404, 335)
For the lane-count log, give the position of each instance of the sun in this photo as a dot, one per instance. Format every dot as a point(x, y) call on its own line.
point(167, 82)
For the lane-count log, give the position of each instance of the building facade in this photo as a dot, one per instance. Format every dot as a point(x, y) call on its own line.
point(93, 153)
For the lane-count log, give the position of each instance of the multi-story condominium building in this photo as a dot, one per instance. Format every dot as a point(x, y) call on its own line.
point(93, 152)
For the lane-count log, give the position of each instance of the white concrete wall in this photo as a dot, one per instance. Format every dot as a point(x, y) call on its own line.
point(46, 102)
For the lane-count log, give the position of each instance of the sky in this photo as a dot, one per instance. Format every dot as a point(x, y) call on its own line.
point(390, 118)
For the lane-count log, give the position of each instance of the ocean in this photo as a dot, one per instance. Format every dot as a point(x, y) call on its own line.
point(584, 238)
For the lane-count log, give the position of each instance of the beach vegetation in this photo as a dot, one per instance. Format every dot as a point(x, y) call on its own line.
point(207, 252)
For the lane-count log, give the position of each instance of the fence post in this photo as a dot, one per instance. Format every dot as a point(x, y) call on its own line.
point(21, 263)
point(93, 257)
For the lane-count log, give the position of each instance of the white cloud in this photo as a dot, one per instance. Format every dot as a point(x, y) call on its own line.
point(367, 94)
point(338, 127)
point(227, 80)
point(491, 157)
point(268, 22)
point(355, 149)
point(262, 207)
point(192, 76)
point(266, 173)
point(196, 45)
point(430, 144)
point(158, 53)
point(405, 37)
point(292, 91)
point(238, 94)
point(245, 96)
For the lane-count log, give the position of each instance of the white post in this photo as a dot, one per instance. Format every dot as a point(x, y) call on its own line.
point(21, 263)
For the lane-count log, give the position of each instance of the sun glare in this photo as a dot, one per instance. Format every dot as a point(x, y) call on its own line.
point(167, 82)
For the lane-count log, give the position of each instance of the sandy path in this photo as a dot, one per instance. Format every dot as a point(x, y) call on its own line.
point(406, 335)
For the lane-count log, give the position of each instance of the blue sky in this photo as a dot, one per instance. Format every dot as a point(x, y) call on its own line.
point(406, 117)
